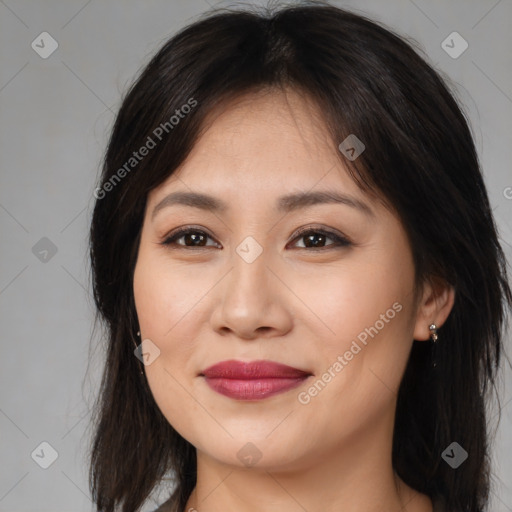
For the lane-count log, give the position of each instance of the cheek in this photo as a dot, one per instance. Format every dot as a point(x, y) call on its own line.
point(172, 394)
point(165, 295)
point(166, 316)
point(366, 311)
point(162, 308)
point(351, 299)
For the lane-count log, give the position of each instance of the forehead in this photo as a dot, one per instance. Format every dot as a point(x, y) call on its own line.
point(267, 142)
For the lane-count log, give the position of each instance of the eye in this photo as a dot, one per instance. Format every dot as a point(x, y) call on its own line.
point(193, 236)
point(314, 238)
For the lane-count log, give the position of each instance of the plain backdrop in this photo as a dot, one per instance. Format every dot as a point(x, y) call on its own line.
point(56, 114)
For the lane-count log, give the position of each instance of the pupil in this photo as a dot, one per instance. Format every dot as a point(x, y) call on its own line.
point(194, 237)
point(312, 237)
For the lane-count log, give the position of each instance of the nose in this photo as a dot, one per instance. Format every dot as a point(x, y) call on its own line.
point(252, 302)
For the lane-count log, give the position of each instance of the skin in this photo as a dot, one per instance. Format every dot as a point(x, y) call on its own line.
point(294, 304)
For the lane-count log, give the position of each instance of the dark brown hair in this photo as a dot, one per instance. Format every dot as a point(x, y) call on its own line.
point(419, 157)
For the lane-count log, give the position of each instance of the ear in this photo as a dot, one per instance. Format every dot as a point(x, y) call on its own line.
point(434, 307)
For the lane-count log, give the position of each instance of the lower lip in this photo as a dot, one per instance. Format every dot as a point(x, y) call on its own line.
point(253, 389)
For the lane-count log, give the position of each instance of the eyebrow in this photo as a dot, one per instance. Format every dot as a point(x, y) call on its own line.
point(285, 204)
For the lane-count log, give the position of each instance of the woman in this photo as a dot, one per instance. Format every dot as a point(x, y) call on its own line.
point(293, 237)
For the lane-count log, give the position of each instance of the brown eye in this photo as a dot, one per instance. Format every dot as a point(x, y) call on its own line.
point(316, 239)
point(191, 238)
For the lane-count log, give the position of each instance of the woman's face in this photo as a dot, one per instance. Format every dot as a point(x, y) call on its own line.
point(245, 286)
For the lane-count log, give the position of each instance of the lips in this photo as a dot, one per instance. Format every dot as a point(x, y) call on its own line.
point(254, 380)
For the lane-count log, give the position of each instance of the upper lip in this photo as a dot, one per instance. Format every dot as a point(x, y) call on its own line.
point(240, 370)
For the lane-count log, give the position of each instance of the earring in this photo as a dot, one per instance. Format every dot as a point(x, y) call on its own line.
point(136, 346)
point(434, 338)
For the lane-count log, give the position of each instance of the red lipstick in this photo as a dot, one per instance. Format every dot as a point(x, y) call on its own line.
point(254, 380)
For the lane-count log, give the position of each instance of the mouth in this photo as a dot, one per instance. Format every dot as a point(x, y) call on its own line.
point(254, 380)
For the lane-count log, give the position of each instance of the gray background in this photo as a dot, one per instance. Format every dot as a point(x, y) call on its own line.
point(56, 114)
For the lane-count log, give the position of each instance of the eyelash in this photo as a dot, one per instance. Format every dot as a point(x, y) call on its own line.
point(339, 241)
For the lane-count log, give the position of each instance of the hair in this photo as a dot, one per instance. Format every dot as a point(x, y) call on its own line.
point(420, 159)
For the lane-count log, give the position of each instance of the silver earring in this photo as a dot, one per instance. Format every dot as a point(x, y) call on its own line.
point(140, 368)
point(434, 338)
